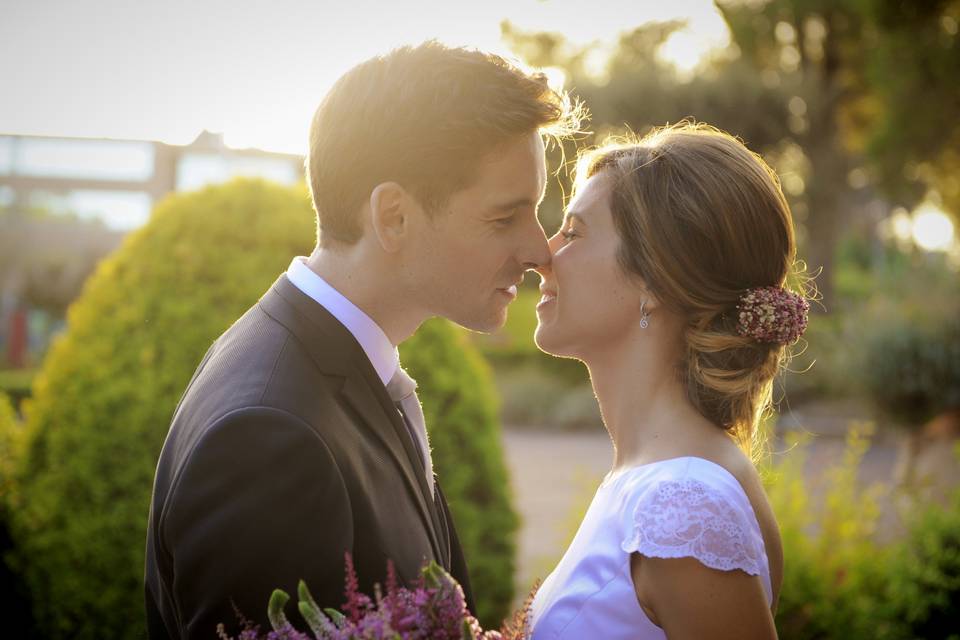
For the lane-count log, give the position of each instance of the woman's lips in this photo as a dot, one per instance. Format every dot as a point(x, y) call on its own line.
point(546, 298)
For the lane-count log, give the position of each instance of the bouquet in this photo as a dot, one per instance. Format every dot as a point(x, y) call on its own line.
point(434, 609)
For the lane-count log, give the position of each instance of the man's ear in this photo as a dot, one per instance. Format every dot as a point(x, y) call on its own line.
point(389, 214)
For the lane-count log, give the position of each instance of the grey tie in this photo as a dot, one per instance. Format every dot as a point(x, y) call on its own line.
point(403, 391)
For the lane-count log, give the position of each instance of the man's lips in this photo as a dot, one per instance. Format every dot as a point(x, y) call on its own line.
point(510, 291)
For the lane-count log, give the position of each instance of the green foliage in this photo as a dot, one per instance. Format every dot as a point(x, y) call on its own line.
point(915, 144)
point(15, 383)
point(881, 292)
point(17, 622)
point(912, 370)
point(460, 406)
point(924, 585)
point(533, 397)
point(536, 389)
point(834, 571)
point(11, 437)
point(104, 399)
point(512, 347)
point(839, 582)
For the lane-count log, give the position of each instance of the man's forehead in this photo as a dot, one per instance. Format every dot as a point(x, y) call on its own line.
point(518, 171)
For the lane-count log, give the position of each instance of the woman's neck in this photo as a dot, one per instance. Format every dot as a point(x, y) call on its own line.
point(643, 403)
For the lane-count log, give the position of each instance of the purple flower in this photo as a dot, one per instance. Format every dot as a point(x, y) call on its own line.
point(432, 609)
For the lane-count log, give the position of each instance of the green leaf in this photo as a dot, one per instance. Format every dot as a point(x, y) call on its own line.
point(318, 623)
point(278, 600)
point(337, 617)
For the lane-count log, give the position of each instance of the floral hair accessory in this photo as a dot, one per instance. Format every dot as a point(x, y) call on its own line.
point(772, 314)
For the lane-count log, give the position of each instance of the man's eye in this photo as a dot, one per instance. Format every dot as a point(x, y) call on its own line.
point(503, 222)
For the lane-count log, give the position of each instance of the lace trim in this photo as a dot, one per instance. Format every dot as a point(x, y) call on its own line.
point(687, 518)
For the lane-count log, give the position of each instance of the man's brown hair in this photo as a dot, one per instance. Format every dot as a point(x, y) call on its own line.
point(423, 117)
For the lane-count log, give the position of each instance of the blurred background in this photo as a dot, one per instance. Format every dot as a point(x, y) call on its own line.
point(135, 136)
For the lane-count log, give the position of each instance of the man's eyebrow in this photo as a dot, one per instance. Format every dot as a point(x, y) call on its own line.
point(514, 204)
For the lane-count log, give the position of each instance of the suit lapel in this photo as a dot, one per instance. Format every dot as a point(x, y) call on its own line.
point(335, 351)
point(370, 400)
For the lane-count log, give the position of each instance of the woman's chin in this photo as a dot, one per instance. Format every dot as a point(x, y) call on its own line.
point(546, 340)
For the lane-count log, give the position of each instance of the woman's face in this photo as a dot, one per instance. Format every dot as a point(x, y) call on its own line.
point(588, 303)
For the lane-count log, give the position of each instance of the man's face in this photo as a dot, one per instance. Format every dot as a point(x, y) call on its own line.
point(466, 261)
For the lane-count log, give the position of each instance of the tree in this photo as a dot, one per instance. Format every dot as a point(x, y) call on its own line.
point(814, 50)
point(913, 70)
point(792, 86)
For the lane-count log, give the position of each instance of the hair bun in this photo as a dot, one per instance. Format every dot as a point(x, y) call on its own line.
point(772, 315)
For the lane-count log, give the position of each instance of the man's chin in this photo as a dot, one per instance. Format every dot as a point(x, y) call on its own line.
point(483, 323)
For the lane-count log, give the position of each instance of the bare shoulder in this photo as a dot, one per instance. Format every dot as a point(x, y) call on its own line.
point(690, 600)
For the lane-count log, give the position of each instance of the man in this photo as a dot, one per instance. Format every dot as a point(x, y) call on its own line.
point(299, 437)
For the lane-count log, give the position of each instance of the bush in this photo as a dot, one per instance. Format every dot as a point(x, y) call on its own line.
point(924, 585)
point(11, 435)
point(533, 398)
point(834, 572)
point(839, 582)
point(460, 406)
point(17, 622)
point(912, 370)
point(512, 349)
point(15, 383)
point(104, 398)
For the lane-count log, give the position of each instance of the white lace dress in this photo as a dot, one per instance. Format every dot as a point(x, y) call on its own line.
point(682, 507)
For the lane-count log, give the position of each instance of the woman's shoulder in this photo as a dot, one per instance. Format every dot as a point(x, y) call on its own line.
point(693, 506)
point(709, 491)
point(728, 477)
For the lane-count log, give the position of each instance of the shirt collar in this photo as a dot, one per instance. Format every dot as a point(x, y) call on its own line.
point(383, 355)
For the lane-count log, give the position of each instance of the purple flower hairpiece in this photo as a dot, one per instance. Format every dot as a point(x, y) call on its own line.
point(772, 314)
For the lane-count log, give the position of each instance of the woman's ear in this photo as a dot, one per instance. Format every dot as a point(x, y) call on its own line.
point(647, 297)
point(389, 215)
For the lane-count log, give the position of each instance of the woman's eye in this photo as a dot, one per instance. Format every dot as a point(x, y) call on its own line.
point(568, 235)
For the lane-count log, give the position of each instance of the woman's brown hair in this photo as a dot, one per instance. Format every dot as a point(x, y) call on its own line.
point(701, 220)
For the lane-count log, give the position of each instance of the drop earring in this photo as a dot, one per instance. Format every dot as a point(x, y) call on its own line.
point(644, 316)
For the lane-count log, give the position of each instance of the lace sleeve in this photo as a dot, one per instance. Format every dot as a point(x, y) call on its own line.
point(688, 518)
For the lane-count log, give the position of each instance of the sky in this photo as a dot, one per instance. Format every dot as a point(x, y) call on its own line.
point(255, 71)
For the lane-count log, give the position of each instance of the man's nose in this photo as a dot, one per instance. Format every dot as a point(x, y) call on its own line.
point(536, 251)
point(553, 245)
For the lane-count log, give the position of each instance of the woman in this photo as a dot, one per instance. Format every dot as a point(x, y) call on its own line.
point(668, 281)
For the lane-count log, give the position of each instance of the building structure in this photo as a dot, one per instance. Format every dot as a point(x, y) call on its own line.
point(44, 255)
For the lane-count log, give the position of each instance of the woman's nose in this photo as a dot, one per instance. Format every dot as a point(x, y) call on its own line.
point(553, 243)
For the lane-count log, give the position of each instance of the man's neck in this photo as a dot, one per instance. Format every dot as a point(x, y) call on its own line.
point(369, 286)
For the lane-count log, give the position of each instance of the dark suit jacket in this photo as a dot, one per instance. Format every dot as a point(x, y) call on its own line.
point(284, 453)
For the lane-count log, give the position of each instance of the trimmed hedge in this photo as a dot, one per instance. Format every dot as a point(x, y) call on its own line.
point(104, 398)
point(16, 619)
point(10, 437)
point(456, 388)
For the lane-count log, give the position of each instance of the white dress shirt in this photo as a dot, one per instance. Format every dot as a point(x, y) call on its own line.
point(382, 353)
